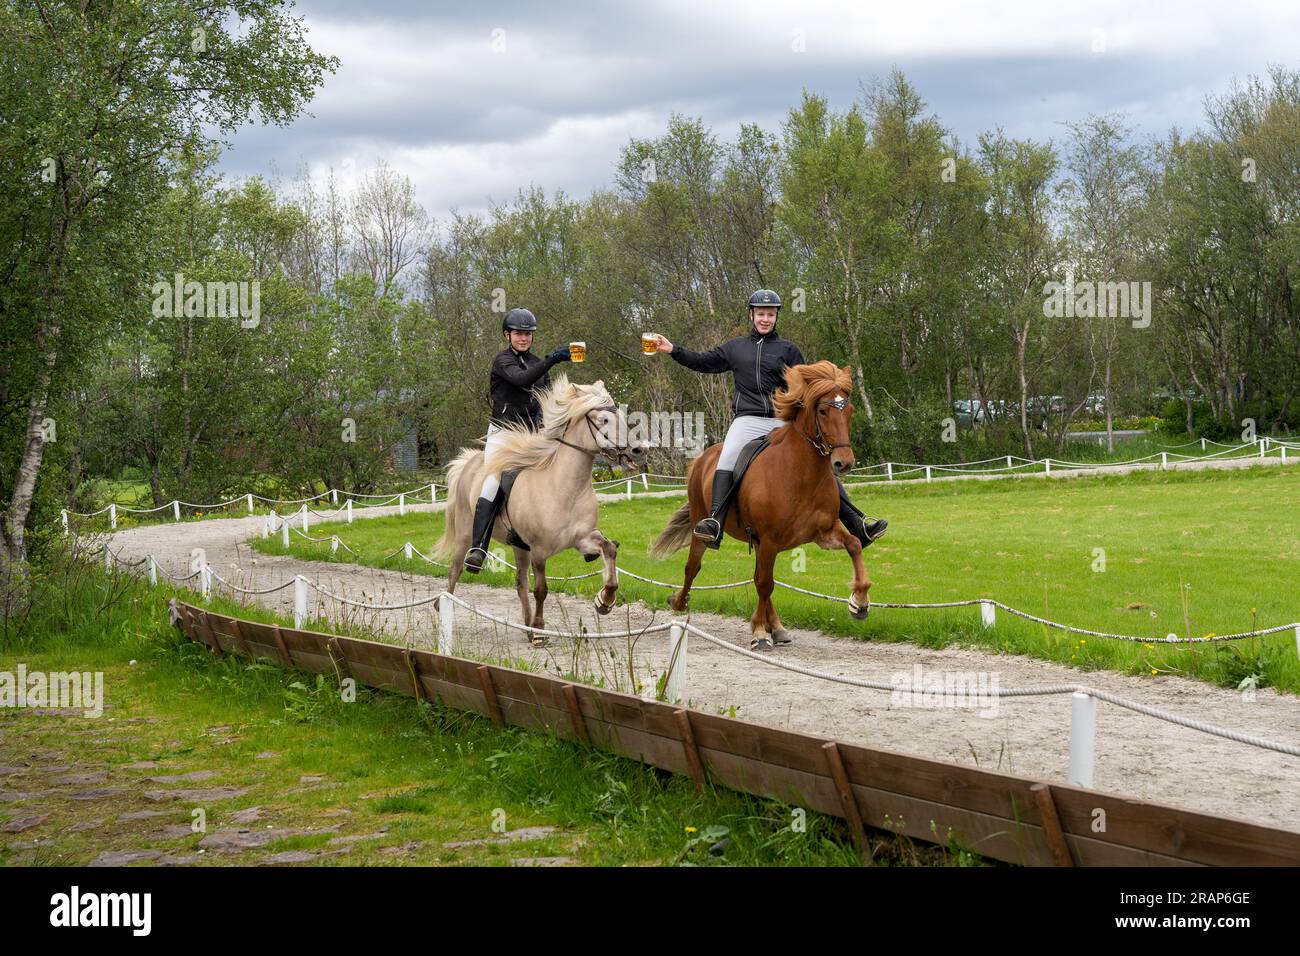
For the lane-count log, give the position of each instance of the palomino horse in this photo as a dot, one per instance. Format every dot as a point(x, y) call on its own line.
point(553, 505)
point(787, 497)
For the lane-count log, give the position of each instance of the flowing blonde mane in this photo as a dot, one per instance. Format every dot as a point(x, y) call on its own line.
point(562, 404)
point(809, 384)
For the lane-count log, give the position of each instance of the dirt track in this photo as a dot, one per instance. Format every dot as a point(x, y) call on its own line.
point(1135, 755)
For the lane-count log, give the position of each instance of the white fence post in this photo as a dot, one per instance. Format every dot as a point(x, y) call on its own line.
point(406, 550)
point(63, 515)
point(1284, 454)
point(334, 544)
point(1048, 463)
point(299, 600)
point(629, 489)
point(112, 515)
point(284, 531)
point(176, 509)
point(266, 526)
point(205, 581)
point(1297, 640)
point(675, 682)
point(304, 518)
point(401, 505)
point(1083, 736)
point(927, 472)
point(446, 619)
point(1008, 461)
point(152, 572)
point(250, 502)
point(988, 614)
point(1164, 460)
point(349, 511)
point(334, 496)
point(889, 471)
point(1202, 444)
point(433, 492)
point(1262, 446)
point(108, 558)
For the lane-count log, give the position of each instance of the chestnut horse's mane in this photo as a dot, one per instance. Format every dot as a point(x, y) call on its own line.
point(809, 384)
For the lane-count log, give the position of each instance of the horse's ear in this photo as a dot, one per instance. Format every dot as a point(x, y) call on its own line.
point(599, 383)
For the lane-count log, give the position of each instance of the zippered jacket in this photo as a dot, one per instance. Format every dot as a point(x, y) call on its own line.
point(514, 376)
point(755, 363)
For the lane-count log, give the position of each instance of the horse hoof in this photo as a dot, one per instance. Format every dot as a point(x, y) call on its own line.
point(600, 607)
point(537, 640)
point(761, 643)
point(859, 611)
point(782, 636)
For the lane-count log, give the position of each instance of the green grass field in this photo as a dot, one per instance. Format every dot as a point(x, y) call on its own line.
point(1146, 554)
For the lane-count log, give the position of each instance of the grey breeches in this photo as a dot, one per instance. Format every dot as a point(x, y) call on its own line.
point(743, 430)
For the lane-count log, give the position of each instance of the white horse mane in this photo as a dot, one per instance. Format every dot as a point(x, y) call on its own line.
point(562, 404)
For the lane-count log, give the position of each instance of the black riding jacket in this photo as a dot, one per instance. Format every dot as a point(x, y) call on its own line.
point(754, 362)
point(514, 374)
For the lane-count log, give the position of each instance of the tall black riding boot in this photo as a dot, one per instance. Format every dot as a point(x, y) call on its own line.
point(710, 528)
point(864, 529)
point(485, 512)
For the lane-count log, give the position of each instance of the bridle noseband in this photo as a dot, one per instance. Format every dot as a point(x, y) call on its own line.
point(599, 449)
point(824, 448)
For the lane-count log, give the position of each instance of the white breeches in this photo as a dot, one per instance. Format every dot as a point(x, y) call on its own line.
point(743, 430)
point(490, 482)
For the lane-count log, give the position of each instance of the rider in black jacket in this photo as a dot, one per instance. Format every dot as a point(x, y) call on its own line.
point(756, 364)
point(516, 371)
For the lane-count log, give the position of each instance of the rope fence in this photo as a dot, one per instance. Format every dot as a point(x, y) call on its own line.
point(1083, 697)
point(1167, 459)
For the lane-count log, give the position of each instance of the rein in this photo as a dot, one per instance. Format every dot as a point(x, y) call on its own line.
point(592, 430)
point(824, 448)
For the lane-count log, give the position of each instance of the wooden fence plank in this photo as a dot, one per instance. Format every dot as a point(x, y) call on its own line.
point(998, 815)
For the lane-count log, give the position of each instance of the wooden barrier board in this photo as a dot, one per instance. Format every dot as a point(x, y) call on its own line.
point(997, 815)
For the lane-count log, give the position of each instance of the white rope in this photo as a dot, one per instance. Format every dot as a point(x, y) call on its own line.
point(236, 587)
point(649, 629)
point(1039, 691)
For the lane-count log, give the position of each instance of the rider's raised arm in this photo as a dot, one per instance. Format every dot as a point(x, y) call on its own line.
point(714, 360)
point(508, 369)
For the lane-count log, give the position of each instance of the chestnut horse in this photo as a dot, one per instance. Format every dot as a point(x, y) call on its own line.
point(787, 497)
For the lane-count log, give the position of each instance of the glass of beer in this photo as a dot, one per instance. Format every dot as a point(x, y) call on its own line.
point(578, 351)
point(649, 343)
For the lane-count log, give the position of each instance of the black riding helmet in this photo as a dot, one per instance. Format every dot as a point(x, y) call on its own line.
point(519, 320)
point(766, 298)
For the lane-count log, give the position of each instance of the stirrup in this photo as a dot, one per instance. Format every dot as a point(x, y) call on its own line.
point(874, 529)
point(474, 565)
point(710, 529)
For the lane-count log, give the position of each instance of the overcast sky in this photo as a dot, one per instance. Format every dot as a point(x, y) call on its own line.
point(473, 101)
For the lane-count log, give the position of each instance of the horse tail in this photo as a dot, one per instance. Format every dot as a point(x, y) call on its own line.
point(451, 530)
point(676, 535)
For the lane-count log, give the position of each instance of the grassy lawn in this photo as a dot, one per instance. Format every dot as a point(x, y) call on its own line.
point(1146, 554)
point(383, 780)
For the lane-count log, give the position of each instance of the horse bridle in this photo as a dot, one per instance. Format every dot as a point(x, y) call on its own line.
point(824, 448)
point(599, 449)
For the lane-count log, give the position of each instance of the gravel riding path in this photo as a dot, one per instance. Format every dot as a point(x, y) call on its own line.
point(1135, 755)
